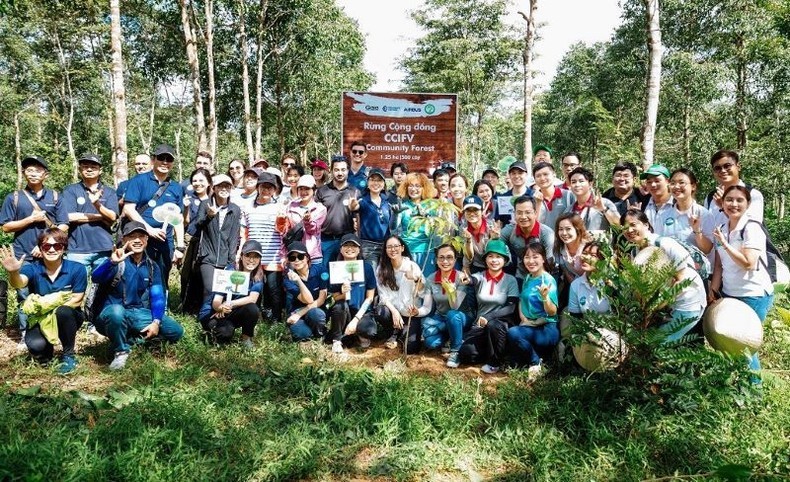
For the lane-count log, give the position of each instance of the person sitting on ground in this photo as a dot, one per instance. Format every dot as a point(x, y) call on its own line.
point(135, 304)
point(349, 314)
point(49, 276)
point(220, 316)
point(305, 291)
point(534, 339)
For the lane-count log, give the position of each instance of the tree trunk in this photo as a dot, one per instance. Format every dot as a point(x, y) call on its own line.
point(655, 50)
point(259, 80)
point(120, 166)
point(194, 70)
point(18, 151)
point(529, 44)
point(687, 134)
point(278, 98)
point(740, 93)
point(151, 117)
point(245, 82)
point(68, 98)
point(178, 155)
point(212, 93)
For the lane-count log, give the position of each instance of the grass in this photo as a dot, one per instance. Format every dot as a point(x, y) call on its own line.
point(193, 412)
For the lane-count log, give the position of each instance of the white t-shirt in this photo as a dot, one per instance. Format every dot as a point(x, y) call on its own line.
point(693, 296)
point(585, 297)
point(735, 280)
point(755, 209)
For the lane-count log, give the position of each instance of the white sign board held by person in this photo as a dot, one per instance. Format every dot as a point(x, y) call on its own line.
point(342, 271)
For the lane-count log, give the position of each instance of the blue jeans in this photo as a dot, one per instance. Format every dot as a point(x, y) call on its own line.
point(311, 325)
point(371, 252)
point(119, 324)
point(329, 250)
point(91, 261)
point(161, 253)
point(761, 305)
point(691, 318)
point(437, 328)
point(527, 344)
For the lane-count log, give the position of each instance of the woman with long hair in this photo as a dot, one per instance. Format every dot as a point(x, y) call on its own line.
point(485, 191)
point(689, 305)
point(572, 237)
point(741, 267)
point(375, 217)
point(310, 214)
point(476, 229)
point(403, 299)
point(221, 314)
point(305, 290)
point(236, 170)
point(349, 314)
point(688, 222)
point(416, 191)
point(459, 189)
point(201, 190)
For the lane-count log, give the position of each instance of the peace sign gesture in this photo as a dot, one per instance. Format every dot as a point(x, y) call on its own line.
point(10, 263)
point(120, 254)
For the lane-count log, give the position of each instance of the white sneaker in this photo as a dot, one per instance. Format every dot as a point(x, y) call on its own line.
point(535, 371)
point(364, 342)
point(489, 369)
point(21, 346)
point(337, 346)
point(119, 361)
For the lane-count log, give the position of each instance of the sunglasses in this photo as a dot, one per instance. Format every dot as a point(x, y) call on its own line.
point(55, 246)
point(296, 256)
point(723, 167)
point(357, 151)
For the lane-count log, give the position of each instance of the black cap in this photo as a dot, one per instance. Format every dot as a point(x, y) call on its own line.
point(350, 238)
point(268, 178)
point(30, 160)
point(377, 172)
point(89, 157)
point(164, 150)
point(297, 247)
point(255, 170)
point(518, 165)
point(252, 246)
point(133, 226)
point(448, 166)
point(492, 171)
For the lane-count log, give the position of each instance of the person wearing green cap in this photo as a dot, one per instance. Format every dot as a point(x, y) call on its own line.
point(541, 153)
point(660, 207)
point(496, 293)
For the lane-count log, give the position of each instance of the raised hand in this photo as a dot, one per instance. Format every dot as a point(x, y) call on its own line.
point(543, 289)
point(120, 254)
point(353, 203)
point(212, 209)
point(628, 205)
point(718, 195)
point(721, 239)
point(293, 276)
point(495, 230)
point(95, 196)
point(10, 263)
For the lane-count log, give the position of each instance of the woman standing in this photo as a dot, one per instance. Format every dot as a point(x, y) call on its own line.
point(476, 229)
point(740, 270)
point(459, 188)
point(485, 191)
point(537, 334)
point(691, 302)
point(496, 293)
point(201, 190)
point(305, 210)
point(416, 190)
point(689, 222)
point(349, 314)
point(48, 275)
point(305, 291)
point(220, 316)
point(292, 176)
point(375, 217)
point(403, 300)
point(236, 170)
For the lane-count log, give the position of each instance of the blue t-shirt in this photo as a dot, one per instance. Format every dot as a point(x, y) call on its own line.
point(531, 300)
point(358, 289)
point(95, 236)
point(72, 277)
point(360, 179)
point(141, 189)
point(192, 203)
point(120, 191)
point(206, 310)
point(374, 221)
point(317, 280)
point(17, 206)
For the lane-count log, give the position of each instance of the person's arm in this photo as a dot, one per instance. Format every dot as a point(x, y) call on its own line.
point(304, 292)
point(714, 290)
point(13, 266)
point(301, 312)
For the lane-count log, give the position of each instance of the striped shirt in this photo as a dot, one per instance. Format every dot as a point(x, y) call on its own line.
point(259, 221)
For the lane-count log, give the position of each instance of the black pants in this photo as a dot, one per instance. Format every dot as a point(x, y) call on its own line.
point(274, 293)
point(69, 322)
point(245, 317)
point(412, 338)
point(341, 315)
point(486, 344)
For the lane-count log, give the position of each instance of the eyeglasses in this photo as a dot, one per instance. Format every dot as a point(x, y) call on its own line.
point(296, 256)
point(723, 167)
point(445, 258)
point(236, 168)
point(166, 160)
point(289, 164)
point(565, 164)
point(393, 246)
point(55, 246)
point(358, 152)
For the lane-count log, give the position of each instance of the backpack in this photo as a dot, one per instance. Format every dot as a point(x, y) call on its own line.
point(777, 268)
point(97, 294)
point(701, 262)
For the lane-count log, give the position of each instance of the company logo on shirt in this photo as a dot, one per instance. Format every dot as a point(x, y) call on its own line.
point(669, 222)
point(583, 300)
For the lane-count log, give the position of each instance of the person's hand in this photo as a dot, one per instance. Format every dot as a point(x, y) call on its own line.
point(157, 233)
point(495, 230)
point(466, 234)
point(598, 203)
point(95, 196)
point(36, 252)
point(413, 274)
point(225, 308)
point(397, 320)
point(482, 322)
point(353, 204)
point(352, 327)
point(212, 209)
point(307, 216)
point(293, 276)
point(719, 236)
point(345, 288)
point(543, 289)
point(178, 257)
point(10, 263)
point(718, 195)
point(413, 310)
point(293, 318)
point(537, 196)
point(151, 330)
point(463, 278)
point(628, 205)
point(37, 216)
point(120, 254)
point(695, 220)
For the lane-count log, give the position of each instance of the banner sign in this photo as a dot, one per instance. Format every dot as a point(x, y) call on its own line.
point(417, 129)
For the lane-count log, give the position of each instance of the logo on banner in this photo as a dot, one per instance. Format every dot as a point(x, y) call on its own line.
point(387, 107)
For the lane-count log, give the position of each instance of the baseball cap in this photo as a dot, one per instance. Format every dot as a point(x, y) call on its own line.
point(267, 178)
point(377, 172)
point(492, 171)
point(319, 164)
point(472, 202)
point(518, 165)
point(297, 247)
point(89, 157)
point(30, 160)
point(252, 246)
point(541, 147)
point(133, 226)
point(350, 238)
point(164, 150)
point(220, 178)
point(306, 181)
point(655, 170)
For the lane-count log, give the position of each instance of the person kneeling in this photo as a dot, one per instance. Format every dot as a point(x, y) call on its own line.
point(135, 304)
point(305, 293)
point(220, 317)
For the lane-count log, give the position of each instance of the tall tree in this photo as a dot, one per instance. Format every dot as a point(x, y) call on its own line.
point(120, 165)
point(527, 57)
point(194, 71)
point(245, 81)
point(653, 88)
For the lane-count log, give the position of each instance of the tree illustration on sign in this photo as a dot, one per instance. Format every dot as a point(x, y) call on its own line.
point(352, 269)
point(236, 279)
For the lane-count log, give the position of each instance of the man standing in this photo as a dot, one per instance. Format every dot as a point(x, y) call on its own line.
point(358, 171)
point(517, 173)
point(148, 191)
point(726, 167)
point(659, 208)
point(541, 153)
point(135, 301)
point(142, 163)
point(342, 202)
point(26, 214)
point(622, 193)
point(570, 161)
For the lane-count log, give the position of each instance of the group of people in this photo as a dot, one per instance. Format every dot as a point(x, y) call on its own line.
point(524, 258)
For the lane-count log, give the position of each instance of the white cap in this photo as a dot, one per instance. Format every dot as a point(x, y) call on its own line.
point(306, 181)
